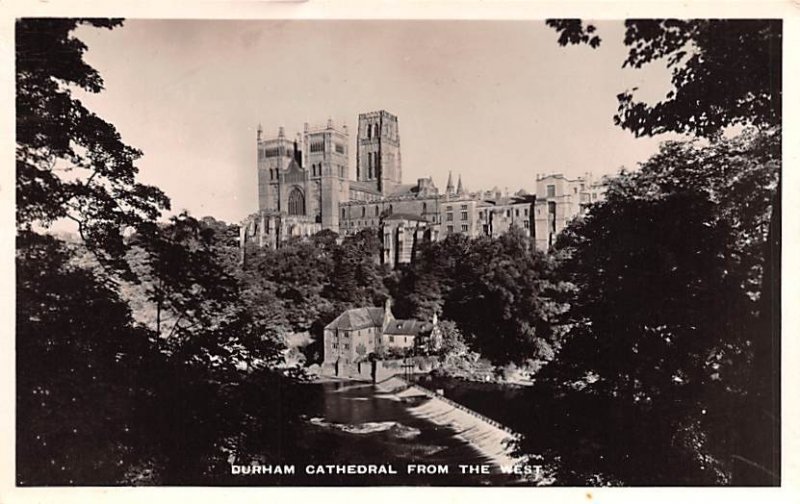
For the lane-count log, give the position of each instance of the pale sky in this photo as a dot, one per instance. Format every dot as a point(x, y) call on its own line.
point(494, 101)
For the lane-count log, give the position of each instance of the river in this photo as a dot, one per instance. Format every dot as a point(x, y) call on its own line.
point(357, 423)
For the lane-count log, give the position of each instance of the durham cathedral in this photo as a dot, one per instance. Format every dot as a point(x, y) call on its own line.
point(304, 187)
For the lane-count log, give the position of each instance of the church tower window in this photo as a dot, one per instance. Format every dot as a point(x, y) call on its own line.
point(297, 202)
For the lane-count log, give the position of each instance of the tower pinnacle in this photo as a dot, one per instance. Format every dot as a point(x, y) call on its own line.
point(449, 189)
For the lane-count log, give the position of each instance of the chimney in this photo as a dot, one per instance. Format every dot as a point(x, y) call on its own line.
point(387, 312)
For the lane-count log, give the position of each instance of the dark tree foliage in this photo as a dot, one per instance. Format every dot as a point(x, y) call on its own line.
point(357, 276)
point(661, 379)
point(422, 287)
point(304, 284)
point(70, 162)
point(184, 274)
point(572, 31)
point(218, 394)
point(724, 72)
point(496, 290)
point(160, 370)
point(294, 277)
point(78, 357)
point(105, 400)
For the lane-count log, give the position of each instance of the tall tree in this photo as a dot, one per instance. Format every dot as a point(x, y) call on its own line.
point(79, 357)
point(71, 163)
point(357, 277)
point(666, 322)
point(724, 72)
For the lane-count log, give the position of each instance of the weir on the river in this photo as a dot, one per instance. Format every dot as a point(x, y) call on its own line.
point(488, 436)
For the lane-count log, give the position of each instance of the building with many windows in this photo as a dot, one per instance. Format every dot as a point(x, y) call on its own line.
point(304, 186)
point(558, 200)
point(352, 338)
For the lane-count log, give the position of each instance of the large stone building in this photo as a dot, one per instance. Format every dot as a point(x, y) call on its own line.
point(352, 338)
point(304, 186)
point(559, 200)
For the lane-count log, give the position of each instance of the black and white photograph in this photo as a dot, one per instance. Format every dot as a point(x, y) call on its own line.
point(321, 252)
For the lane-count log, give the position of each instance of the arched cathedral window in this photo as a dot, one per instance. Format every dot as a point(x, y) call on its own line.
point(297, 202)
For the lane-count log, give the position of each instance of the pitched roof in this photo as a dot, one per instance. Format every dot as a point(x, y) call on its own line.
point(404, 190)
point(363, 186)
point(409, 327)
point(358, 318)
point(406, 216)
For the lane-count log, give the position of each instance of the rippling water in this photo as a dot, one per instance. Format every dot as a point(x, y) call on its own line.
point(354, 423)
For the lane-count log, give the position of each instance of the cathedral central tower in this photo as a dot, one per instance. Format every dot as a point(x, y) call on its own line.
point(378, 151)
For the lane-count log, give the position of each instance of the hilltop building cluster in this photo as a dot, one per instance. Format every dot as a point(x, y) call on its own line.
point(304, 187)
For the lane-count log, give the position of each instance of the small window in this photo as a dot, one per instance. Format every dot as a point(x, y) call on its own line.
point(464, 216)
point(376, 210)
point(391, 339)
point(463, 207)
point(551, 191)
point(516, 212)
point(363, 212)
point(464, 228)
point(450, 216)
point(449, 229)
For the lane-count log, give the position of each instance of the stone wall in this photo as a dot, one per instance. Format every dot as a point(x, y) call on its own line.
point(383, 368)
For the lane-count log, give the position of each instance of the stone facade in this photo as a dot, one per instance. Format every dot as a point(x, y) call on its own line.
point(361, 335)
point(304, 186)
point(558, 201)
point(402, 235)
point(378, 160)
